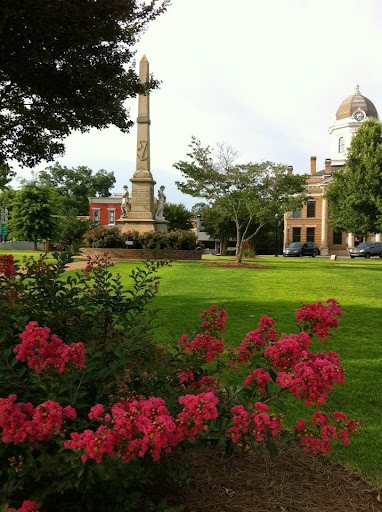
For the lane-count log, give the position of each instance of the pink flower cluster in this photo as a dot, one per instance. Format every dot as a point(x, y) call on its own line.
point(27, 506)
point(7, 266)
point(43, 353)
point(197, 410)
point(320, 439)
point(313, 378)
point(261, 378)
point(22, 422)
point(288, 350)
point(137, 427)
point(318, 318)
point(254, 342)
point(203, 346)
point(214, 319)
point(257, 426)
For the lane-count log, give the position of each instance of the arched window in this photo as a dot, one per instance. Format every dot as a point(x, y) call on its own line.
point(341, 145)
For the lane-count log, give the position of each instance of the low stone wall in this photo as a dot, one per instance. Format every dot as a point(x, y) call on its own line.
point(141, 254)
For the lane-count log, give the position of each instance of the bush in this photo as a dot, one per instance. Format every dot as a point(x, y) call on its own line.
point(91, 408)
point(101, 237)
point(72, 230)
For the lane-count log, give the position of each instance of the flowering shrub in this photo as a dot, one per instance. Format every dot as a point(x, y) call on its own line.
point(43, 354)
point(102, 237)
point(105, 407)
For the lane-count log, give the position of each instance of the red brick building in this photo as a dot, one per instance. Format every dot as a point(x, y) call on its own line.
point(105, 210)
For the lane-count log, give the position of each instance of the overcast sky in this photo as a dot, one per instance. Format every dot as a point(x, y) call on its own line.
point(264, 76)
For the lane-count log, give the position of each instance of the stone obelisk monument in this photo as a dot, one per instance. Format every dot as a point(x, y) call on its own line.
point(141, 215)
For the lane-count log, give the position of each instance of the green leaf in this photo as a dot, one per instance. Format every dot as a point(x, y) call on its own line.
point(272, 449)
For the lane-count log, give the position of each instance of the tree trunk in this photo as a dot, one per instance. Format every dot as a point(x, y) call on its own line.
point(223, 247)
point(35, 245)
point(239, 253)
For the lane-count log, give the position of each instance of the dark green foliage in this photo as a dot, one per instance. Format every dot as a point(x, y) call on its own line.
point(218, 223)
point(177, 216)
point(66, 66)
point(74, 186)
point(72, 230)
point(101, 237)
point(355, 194)
point(32, 211)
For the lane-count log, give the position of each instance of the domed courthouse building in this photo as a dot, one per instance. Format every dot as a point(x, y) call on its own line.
point(310, 224)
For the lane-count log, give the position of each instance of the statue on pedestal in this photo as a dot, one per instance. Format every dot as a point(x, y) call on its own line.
point(125, 203)
point(161, 203)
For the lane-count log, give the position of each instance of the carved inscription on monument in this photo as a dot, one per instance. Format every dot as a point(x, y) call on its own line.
point(141, 197)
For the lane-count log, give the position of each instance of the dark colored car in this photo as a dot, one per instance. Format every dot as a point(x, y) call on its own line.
point(302, 249)
point(366, 250)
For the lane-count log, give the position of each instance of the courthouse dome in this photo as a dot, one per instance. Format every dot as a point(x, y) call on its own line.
point(355, 102)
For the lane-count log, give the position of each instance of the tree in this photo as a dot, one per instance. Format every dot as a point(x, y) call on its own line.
point(32, 212)
point(252, 194)
point(74, 186)
point(178, 216)
point(219, 224)
point(66, 66)
point(355, 193)
point(72, 230)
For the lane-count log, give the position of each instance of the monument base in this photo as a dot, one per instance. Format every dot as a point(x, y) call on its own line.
point(161, 225)
point(140, 225)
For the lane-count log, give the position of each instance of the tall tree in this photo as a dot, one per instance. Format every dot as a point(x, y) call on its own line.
point(355, 194)
point(75, 185)
point(177, 216)
point(251, 193)
point(66, 65)
point(32, 212)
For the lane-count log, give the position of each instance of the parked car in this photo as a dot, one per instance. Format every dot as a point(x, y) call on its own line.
point(302, 249)
point(366, 250)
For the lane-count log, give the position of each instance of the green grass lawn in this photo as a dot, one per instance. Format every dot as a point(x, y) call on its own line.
point(19, 255)
point(247, 294)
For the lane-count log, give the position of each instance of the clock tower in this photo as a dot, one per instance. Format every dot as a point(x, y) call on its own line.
point(351, 113)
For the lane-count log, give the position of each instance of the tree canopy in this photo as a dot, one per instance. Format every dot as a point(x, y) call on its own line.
point(355, 194)
point(177, 216)
point(33, 207)
point(218, 223)
point(66, 66)
point(252, 194)
point(75, 185)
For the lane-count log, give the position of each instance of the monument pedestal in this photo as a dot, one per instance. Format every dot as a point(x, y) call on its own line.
point(141, 214)
point(161, 224)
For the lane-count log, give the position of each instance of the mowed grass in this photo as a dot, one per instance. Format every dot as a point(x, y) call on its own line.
point(187, 288)
point(19, 256)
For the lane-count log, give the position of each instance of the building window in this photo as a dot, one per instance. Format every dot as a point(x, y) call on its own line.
point(337, 238)
point(310, 233)
point(296, 235)
point(111, 216)
point(96, 215)
point(296, 214)
point(341, 145)
point(311, 209)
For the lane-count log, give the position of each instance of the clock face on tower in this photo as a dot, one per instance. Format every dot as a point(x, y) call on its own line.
point(359, 115)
